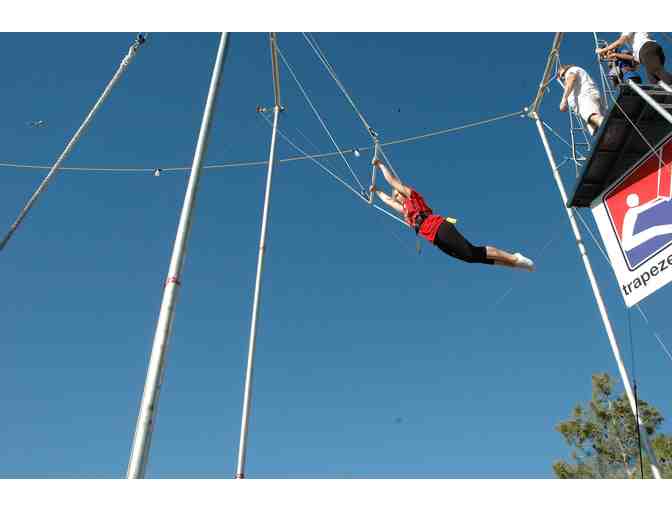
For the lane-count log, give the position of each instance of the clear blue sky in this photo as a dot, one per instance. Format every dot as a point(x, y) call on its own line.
point(371, 359)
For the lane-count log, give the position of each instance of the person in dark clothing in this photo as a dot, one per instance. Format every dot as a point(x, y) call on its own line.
point(439, 231)
point(646, 51)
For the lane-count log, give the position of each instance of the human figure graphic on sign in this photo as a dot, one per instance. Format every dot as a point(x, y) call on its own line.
point(630, 239)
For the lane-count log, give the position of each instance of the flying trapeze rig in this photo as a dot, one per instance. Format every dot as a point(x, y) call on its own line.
point(633, 143)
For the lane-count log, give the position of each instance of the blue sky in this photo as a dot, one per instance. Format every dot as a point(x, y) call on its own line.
point(372, 359)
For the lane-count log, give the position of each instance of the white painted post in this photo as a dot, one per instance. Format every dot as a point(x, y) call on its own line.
point(247, 395)
point(598, 297)
point(150, 398)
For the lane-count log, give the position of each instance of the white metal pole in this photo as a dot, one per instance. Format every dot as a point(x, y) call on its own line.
point(605, 90)
point(247, 395)
point(598, 296)
point(73, 141)
point(665, 86)
point(652, 102)
point(150, 398)
point(548, 70)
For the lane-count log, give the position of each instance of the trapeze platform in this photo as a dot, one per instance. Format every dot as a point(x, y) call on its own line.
point(618, 145)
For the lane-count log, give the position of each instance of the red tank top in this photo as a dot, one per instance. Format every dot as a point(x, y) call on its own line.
point(413, 206)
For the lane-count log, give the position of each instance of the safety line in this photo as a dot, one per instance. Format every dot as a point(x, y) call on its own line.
point(242, 164)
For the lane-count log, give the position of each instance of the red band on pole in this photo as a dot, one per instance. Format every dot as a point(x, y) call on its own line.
point(173, 279)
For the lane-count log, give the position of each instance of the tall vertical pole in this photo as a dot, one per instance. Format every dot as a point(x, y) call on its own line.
point(150, 398)
point(598, 297)
point(605, 84)
point(247, 395)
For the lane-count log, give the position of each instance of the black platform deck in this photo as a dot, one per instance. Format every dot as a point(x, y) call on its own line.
point(617, 145)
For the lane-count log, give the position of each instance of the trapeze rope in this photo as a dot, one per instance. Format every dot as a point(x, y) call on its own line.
point(331, 172)
point(606, 258)
point(317, 114)
point(75, 138)
point(330, 69)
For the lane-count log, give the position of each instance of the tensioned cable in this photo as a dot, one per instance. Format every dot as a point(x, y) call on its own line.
point(666, 36)
point(556, 133)
point(242, 164)
point(452, 130)
point(535, 255)
point(333, 174)
point(634, 389)
point(332, 72)
point(655, 333)
point(128, 58)
point(321, 165)
point(317, 114)
point(639, 308)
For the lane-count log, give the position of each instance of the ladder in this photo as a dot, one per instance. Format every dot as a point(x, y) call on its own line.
point(580, 140)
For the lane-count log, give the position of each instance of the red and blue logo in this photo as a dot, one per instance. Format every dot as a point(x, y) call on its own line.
point(640, 207)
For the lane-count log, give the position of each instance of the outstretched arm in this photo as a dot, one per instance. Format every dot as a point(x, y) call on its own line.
point(618, 42)
point(392, 180)
point(621, 56)
point(570, 81)
point(388, 200)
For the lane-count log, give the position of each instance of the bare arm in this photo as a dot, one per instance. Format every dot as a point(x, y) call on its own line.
point(389, 201)
point(618, 42)
point(622, 56)
point(569, 86)
point(392, 179)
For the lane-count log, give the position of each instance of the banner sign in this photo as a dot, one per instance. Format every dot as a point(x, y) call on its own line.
point(634, 216)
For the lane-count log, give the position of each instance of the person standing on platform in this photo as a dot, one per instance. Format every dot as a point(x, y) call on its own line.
point(646, 51)
point(581, 95)
point(622, 67)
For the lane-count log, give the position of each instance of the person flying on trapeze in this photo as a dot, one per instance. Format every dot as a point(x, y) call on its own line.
point(437, 229)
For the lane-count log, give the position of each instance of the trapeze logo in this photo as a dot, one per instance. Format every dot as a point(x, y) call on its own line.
point(640, 208)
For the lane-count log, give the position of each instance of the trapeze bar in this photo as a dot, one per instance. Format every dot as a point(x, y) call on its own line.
point(618, 145)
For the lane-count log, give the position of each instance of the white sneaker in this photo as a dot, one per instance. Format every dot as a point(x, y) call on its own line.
point(523, 262)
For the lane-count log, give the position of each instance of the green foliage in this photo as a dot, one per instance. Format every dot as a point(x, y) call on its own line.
point(603, 437)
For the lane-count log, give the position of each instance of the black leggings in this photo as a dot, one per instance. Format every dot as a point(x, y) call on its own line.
point(452, 243)
point(653, 58)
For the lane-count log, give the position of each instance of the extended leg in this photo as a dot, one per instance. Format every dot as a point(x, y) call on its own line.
point(596, 120)
point(501, 257)
point(653, 58)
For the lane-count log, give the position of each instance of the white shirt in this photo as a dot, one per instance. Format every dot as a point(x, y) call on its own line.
point(637, 40)
point(584, 86)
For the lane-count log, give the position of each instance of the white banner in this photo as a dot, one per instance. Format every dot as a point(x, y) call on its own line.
point(634, 216)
